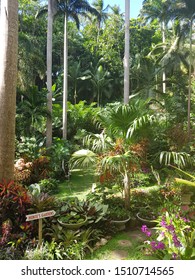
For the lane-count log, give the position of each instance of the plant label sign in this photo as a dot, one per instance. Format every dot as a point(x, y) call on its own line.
point(40, 215)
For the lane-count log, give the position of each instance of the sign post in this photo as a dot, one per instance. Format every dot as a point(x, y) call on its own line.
point(40, 216)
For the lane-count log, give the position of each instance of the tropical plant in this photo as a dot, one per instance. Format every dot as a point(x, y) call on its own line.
point(161, 10)
point(15, 198)
point(28, 148)
point(41, 202)
point(31, 112)
point(49, 186)
point(75, 74)
point(59, 155)
point(103, 12)
point(174, 238)
point(114, 152)
point(100, 80)
point(31, 41)
point(81, 118)
point(181, 159)
point(184, 182)
point(94, 212)
point(185, 10)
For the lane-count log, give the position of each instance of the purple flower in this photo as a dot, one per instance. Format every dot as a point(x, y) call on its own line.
point(185, 220)
point(157, 245)
point(148, 233)
point(176, 241)
point(161, 246)
point(174, 256)
point(153, 245)
point(170, 227)
point(163, 223)
point(145, 230)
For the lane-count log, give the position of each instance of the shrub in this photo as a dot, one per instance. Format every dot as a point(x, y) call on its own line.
point(49, 185)
point(32, 172)
point(15, 198)
point(59, 154)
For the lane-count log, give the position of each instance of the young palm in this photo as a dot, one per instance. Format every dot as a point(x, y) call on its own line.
point(111, 151)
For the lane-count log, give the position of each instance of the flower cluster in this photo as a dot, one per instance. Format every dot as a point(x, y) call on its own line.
point(146, 230)
point(173, 238)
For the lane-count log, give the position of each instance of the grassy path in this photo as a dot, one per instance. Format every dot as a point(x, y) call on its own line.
point(122, 246)
point(79, 185)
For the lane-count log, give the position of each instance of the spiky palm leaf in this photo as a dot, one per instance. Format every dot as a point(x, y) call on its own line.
point(121, 120)
point(180, 159)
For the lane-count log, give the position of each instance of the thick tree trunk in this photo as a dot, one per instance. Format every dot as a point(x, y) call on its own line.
point(49, 74)
point(127, 49)
point(8, 78)
point(65, 84)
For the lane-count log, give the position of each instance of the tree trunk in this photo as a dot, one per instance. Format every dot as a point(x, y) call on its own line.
point(49, 74)
point(8, 79)
point(127, 191)
point(127, 49)
point(65, 84)
point(164, 48)
point(190, 80)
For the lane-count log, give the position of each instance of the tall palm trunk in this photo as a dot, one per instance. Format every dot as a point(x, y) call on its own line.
point(49, 74)
point(65, 84)
point(127, 49)
point(190, 77)
point(8, 78)
point(164, 47)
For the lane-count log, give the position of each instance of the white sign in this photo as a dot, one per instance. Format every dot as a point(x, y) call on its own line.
point(40, 215)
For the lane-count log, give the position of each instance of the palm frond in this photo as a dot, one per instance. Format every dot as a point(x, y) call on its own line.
point(83, 159)
point(97, 142)
point(181, 159)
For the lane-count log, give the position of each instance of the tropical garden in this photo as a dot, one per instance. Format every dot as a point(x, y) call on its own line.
point(97, 123)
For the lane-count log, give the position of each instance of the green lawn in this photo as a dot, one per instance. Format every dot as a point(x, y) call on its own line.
point(79, 184)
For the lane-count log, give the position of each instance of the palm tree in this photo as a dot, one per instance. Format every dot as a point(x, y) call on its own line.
point(185, 9)
point(127, 50)
point(161, 10)
point(31, 111)
point(8, 77)
point(72, 9)
point(103, 15)
point(51, 13)
point(116, 10)
point(99, 78)
point(110, 150)
point(76, 74)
